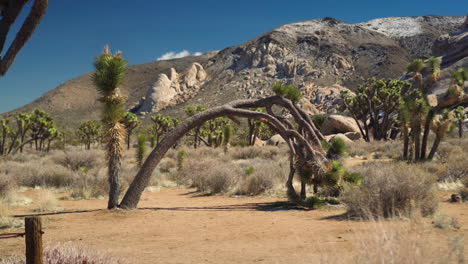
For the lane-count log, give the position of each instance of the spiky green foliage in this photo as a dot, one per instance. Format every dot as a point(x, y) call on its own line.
point(287, 91)
point(460, 76)
point(415, 66)
point(227, 135)
point(336, 149)
point(181, 157)
point(318, 120)
point(89, 132)
point(141, 149)
point(249, 170)
point(152, 141)
point(110, 72)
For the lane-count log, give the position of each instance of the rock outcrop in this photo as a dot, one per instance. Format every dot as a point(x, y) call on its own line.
point(335, 124)
point(172, 90)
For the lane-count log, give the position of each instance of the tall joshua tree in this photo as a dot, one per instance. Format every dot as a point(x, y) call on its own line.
point(108, 76)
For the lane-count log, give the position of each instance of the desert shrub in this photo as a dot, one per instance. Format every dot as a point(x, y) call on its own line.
point(6, 221)
point(46, 202)
point(167, 164)
point(210, 175)
point(7, 186)
point(39, 172)
point(389, 149)
point(252, 152)
point(261, 175)
point(68, 254)
point(391, 189)
point(444, 221)
point(78, 159)
point(181, 157)
point(403, 244)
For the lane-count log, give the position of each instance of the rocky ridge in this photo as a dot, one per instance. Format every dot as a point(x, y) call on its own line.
point(321, 57)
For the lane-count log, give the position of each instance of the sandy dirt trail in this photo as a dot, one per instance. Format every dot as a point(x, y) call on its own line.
point(177, 225)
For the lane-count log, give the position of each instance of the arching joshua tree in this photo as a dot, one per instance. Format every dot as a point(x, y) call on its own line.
point(299, 132)
point(9, 11)
point(108, 77)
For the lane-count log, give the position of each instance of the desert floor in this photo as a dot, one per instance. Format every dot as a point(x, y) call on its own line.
point(178, 225)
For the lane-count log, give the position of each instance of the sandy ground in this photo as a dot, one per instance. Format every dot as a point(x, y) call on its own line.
point(177, 225)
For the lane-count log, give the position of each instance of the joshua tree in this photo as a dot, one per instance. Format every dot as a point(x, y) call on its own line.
point(440, 127)
point(161, 125)
point(89, 132)
point(460, 116)
point(302, 138)
point(130, 122)
point(23, 125)
point(9, 11)
point(42, 128)
point(190, 111)
point(377, 101)
point(5, 131)
point(107, 78)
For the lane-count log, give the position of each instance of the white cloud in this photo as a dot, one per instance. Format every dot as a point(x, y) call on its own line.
point(175, 55)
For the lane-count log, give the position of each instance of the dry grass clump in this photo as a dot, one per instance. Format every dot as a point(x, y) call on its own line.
point(6, 221)
point(406, 245)
point(262, 175)
point(380, 149)
point(211, 170)
point(391, 189)
point(46, 202)
point(402, 243)
point(76, 159)
point(7, 187)
point(69, 254)
point(39, 172)
point(210, 175)
point(252, 152)
point(444, 221)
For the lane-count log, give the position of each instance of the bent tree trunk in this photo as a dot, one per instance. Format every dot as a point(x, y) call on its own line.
point(309, 144)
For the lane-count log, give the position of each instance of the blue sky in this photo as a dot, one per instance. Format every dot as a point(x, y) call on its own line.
point(73, 32)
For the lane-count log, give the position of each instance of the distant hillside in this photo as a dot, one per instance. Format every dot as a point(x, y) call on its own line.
point(314, 55)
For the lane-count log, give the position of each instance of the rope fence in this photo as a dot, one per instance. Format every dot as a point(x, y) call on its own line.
point(11, 235)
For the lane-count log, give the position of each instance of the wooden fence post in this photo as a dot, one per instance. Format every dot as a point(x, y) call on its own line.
point(33, 230)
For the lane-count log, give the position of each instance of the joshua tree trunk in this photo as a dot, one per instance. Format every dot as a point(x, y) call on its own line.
point(115, 165)
point(405, 143)
point(427, 128)
point(434, 147)
point(315, 154)
point(417, 143)
point(303, 190)
point(115, 145)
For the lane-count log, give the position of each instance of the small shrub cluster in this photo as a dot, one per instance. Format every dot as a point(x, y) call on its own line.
point(391, 189)
point(68, 254)
point(78, 159)
point(243, 171)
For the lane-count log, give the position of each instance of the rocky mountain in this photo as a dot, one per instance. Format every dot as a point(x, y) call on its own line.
point(321, 57)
